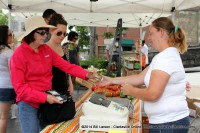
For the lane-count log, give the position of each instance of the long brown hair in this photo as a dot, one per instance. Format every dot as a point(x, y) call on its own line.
point(176, 34)
point(4, 36)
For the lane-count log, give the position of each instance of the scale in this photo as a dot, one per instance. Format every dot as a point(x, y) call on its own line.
point(100, 114)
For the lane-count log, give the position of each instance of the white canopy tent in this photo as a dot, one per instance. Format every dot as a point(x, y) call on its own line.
point(103, 13)
point(108, 20)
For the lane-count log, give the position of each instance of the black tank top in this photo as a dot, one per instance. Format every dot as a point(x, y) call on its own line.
point(60, 80)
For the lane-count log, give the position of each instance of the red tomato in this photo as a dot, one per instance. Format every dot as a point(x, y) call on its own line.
point(118, 92)
point(109, 94)
point(94, 87)
point(114, 94)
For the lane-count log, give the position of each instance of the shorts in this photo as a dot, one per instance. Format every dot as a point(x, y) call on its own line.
point(7, 95)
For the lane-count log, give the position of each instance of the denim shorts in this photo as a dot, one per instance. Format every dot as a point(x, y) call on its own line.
point(7, 95)
point(179, 126)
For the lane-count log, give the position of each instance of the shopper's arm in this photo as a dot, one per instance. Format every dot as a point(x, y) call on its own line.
point(68, 68)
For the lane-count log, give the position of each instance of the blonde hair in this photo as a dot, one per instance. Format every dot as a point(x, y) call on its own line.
point(176, 34)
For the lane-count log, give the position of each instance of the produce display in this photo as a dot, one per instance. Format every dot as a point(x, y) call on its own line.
point(101, 71)
point(110, 90)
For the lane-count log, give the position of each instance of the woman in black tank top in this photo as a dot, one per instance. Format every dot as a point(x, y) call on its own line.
point(61, 81)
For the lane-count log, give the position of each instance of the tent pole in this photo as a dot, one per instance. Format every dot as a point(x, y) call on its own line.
point(140, 32)
point(9, 13)
point(173, 11)
point(9, 18)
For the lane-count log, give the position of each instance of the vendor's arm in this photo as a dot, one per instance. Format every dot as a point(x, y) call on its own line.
point(156, 87)
point(135, 79)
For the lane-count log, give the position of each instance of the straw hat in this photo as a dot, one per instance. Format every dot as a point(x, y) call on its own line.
point(33, 23)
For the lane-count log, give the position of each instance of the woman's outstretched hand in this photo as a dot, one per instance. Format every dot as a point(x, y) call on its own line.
point(92, 73)
point(104, 81)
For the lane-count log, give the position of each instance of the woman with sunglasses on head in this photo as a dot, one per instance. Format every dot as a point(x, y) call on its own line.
point(61, 82)
point(31, 72)
point(72, 50)
point(7, 94)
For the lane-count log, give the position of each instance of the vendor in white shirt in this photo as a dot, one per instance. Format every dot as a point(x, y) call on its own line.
point(115, 50)
point(144, 50)
point(165, 93)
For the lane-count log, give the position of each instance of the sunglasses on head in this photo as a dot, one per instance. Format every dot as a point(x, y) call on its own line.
point(42, 33)
point(59, 33)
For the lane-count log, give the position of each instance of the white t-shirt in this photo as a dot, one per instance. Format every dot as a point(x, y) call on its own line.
point(144, 50)
point(115, 47)
point(4, 69)
point(172, 105)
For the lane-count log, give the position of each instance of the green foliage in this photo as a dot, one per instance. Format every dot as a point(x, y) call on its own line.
point(83, 36)
point(3, 18)
point(124, 28)
point(85, 63)
point(97, 62)
point(83, 50)
point(108, 35)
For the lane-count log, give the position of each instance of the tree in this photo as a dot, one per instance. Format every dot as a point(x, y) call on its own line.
point(93, 38)
point(3, 18)
point(83, 36)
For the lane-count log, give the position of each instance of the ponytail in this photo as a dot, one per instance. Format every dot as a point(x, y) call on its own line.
point(177, 39)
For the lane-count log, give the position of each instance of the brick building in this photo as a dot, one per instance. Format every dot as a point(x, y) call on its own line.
point(130, 33)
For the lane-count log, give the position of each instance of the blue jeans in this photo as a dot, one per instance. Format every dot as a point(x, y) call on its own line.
point(28, 118)
point(179, 126)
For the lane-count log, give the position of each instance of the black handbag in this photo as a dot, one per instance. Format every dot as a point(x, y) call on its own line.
point(55, 113)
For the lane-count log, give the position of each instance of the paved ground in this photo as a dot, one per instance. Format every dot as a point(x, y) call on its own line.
point(195, 126)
